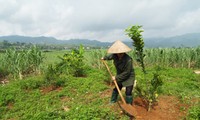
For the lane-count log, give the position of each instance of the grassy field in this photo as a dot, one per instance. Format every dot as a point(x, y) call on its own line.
point(87, 97)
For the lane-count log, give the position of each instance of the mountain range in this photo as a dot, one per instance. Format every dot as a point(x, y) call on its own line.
point(186, 40)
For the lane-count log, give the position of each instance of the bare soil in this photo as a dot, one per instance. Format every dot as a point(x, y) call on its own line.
point(167, 108)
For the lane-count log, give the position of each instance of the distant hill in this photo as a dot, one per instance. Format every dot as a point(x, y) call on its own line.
point(186, 40)
point(52, 40)
point(87, 42)
point(27, 39)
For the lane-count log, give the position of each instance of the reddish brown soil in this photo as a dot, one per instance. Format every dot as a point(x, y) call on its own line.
point(167, 108)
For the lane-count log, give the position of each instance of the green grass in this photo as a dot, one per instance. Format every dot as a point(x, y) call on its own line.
point(180, 82)
point(52, 56)
point(24, 99)
point(82, 96)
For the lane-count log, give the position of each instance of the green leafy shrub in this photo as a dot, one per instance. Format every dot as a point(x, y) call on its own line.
point(71, 64)
point(60, 82)
point(51, 74)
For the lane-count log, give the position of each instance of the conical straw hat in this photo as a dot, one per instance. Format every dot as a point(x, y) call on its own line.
point(118, 47)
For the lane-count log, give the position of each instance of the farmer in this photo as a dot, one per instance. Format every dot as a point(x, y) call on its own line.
point(125, 72)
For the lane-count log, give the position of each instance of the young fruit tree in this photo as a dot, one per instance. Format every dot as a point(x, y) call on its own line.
point(150, 92)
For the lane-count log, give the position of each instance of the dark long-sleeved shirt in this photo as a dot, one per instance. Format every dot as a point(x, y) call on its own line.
point(125, 72)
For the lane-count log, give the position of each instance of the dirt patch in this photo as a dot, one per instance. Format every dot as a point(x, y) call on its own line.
point(10, 105)
point(167, 108)
point(106, 93)
point(65, 99)
point(48, 89)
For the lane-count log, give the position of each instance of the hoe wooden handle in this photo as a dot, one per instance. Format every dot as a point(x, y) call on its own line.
point(115, 82)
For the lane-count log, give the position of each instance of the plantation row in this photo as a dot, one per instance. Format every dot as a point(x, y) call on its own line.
point(165, 57)
point(174, 57)
point(18, 63)
point(23, 62)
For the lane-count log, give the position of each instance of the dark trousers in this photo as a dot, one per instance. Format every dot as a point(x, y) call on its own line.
point(128, 89)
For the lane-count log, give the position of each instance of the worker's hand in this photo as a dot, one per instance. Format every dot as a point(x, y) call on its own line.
point(113, 78)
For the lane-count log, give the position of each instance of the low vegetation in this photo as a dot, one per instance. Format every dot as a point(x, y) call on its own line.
point(58, 94)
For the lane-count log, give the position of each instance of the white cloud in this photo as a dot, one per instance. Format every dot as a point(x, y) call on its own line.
point(189, 22)
point(103, 20)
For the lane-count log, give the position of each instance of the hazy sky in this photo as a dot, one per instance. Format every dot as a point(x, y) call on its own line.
point(103, 20)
